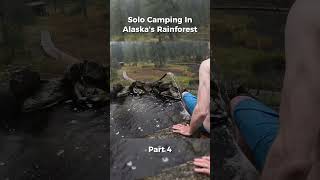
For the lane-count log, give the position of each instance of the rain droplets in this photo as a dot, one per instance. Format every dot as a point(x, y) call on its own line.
point(165, 159)
point(130, 164)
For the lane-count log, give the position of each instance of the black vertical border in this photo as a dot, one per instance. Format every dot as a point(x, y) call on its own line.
point(212, 162)
point(107, 14)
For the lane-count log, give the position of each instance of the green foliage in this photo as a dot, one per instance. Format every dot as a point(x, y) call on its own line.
point(159, 53)
point(239, 31)
point(254, 68)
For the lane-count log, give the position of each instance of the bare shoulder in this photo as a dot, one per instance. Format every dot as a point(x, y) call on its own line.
point(205, 65)
point(306, 12)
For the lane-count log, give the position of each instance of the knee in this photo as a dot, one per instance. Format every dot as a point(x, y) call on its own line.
point(236, 101)
point(184, 94)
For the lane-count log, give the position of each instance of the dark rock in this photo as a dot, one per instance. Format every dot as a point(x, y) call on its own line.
point(229, 161)
point(138, 91)
point(183, 171)
point(9, 109)
point(165, 86)
point(95, 74)
point(124, 92)
point(115, 90)
point(160, 89)
point(84, 92)
point(130, 158)
point(90, 73)
point(132, 113)
point(49, 94)
point(87, 83)
point(148, 87)
point(24, 83)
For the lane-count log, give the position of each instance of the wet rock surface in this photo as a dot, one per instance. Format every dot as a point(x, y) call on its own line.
point(54, 142)
point(85, 83)
point(9, 108)
point(24, 82)
point(49, 93)
point(183, 171)
point(131, 159)
point(138, 116)
point(138, 121)
point(65, 145)
point(229, 162)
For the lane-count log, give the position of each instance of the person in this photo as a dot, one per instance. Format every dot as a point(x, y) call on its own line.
point(199, 108)
point(287, 146)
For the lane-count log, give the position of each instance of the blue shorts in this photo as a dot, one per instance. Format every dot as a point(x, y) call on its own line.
point(258, 125)
point(190, 102)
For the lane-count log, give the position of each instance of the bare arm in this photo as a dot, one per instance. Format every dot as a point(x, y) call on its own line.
point(202, 108)
point(294, 152)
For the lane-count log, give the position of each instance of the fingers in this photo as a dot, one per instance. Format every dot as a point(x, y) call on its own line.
point(206, 157)
point(203, 159)
point(202, 164)
point(181, 129)
point(178, 126)
point(202, 170)
point(176, 131)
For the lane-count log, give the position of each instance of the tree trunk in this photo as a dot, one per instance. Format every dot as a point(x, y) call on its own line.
point(55, 6)
point(4, 30)
point(84, 7)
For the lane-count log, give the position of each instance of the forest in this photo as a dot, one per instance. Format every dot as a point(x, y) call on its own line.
point(159, 54)
point(69, 22)
point(147, 56)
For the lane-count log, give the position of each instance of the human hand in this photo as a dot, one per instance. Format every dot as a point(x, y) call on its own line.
point(182, 129)
point(203, 165)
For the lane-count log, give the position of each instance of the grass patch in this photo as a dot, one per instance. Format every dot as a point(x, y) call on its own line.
point(148, 72)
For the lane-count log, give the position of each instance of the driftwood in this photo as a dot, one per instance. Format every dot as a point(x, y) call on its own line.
point(51, 50)
point(126, 77)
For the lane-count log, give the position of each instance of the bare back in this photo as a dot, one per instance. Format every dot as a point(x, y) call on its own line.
point(295, 152)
